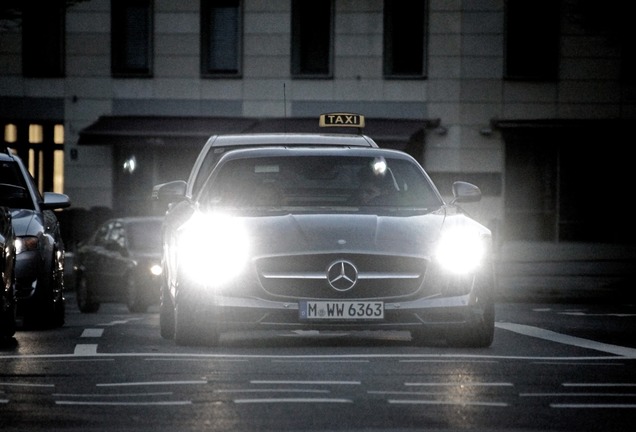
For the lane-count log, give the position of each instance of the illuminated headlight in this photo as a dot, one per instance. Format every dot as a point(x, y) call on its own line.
point(212, 249)
point(155, 270)
point(461, 250)
point(23, 244)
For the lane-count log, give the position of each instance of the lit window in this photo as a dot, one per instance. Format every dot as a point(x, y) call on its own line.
point(10, 133)
point(58, 171)
point(35, 134)
point(58, 134)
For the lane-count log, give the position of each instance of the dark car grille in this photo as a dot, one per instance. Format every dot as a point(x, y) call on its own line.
point(306, 276)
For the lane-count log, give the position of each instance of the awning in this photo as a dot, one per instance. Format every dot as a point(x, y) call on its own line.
point(172, 131)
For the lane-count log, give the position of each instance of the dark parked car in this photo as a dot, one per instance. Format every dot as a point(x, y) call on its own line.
point(40, 250)
point(120, 262)
point(324, 237)
point(7, 266)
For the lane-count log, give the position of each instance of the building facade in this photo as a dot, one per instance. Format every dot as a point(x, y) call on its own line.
point(534, 102)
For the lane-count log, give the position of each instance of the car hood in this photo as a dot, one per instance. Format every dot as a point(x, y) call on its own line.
point(26, 222)
point(367, 233)
point(147, 255)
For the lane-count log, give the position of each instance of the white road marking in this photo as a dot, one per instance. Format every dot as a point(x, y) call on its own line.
point(293, 400)
point(196, 359)
point(446, 361)
point(540, 333)
point(91, 395)
point(577, 395)
point(562, 363)
point(271, 391)
point(599, 384)
point(456, 403)
point(320, 361)
point(92, 332)
point(150, 383)
point(307, 382)
point(85, 349)
point(117, 322)
point(617, 315)
point(25, 384)
point(459, 384)
point(123, 403)
point(594, 406)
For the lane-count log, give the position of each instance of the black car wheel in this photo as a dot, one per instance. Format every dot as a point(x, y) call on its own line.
point(48, 309)
point(7, 321)
point(166, 314)
point(188, 330)
point(135, 299)
point(84, 296)
point(476, 334)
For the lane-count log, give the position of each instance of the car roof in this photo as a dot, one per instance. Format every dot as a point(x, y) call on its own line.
point(290, 139)
point(6, 155)
point(135, 219)
point(281, 150)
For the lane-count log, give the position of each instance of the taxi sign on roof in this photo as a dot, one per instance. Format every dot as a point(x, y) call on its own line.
point(341, 120)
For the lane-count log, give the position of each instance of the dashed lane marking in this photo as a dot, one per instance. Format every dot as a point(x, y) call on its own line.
point(92, 332)
point(85, 349)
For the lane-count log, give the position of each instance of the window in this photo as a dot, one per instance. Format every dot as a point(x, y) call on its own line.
point(221, 38)
point(43, 28)
point(131, 37)
point(312, 35)
point(532, 40)
point(405, 38)
point(40, 144)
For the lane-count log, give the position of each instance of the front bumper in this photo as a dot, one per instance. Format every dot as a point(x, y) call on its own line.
point(224, 313)
point(28, 267)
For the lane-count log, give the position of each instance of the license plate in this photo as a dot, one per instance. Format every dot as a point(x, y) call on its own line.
point(341, 310)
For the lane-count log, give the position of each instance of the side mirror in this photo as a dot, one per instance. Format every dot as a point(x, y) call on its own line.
point(464, 192)
point(54, 200)
point(170, 192)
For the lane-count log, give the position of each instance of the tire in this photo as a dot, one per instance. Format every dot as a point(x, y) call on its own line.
point(48, 309)
point(477, 334)
point(135, 299)
point(166, 314)
point(9, 310)
point(84, 296)
point(188, 330)
point(57, 307)
point(8, 321)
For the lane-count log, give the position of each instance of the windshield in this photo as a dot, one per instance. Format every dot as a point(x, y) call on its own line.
point(309, 182)
point(145, 236)
point(14, 197)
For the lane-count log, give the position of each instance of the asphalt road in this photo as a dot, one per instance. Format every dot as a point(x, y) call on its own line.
point(565, 367)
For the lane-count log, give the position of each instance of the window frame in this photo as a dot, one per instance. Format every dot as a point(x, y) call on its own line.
point(388, 60)
point(207, 6)
point(298, 16)
point(120, 67)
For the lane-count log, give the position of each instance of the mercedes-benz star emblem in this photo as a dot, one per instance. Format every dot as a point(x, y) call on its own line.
point(342, 275)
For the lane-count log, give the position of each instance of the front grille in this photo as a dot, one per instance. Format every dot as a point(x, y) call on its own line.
point(305, 276)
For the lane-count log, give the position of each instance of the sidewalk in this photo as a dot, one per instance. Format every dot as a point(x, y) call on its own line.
point(541, 271)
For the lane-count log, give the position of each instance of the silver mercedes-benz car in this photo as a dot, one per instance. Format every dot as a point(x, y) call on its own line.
point(324, 237)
